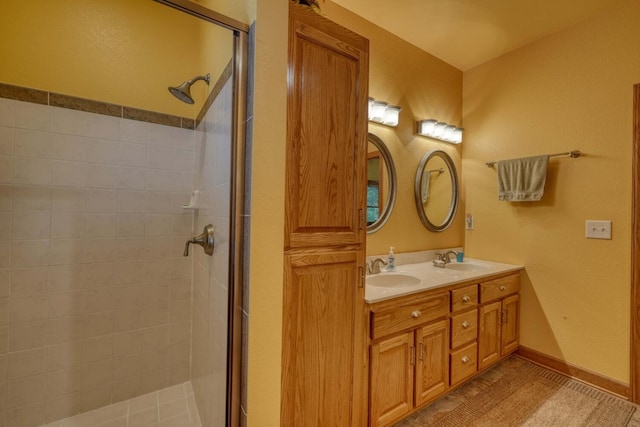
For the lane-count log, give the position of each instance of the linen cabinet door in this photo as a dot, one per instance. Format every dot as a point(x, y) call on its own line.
point(326, 134)
point(432, 366)
point(391, 379)
point(321, 349)
point(489, 343)
point(510, 324)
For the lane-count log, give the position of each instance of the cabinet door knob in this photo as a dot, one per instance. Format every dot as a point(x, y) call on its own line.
point(465, 324)
point(416, 314)
point(465, 359)
point(466, 298)
point(503, 288)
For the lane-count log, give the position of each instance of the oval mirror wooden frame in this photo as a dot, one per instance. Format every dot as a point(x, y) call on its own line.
point(455, 191)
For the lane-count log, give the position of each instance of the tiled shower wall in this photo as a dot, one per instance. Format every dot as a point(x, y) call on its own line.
point(211, 273)
point(94, 292)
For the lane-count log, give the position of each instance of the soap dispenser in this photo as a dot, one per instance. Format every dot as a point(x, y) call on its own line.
point(391, 266)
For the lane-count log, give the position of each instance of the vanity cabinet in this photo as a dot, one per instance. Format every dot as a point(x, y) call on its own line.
point(425, 344)
point(324, 344)
point(409, 356)
point(499, 319)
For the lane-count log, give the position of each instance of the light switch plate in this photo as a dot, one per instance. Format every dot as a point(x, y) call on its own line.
point(469, 222)
point(598, 230)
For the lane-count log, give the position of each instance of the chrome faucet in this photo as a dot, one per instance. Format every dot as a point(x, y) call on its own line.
point(444, 257)
point(374, 267)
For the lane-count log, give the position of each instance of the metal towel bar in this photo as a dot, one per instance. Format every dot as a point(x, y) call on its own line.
point(573, 154)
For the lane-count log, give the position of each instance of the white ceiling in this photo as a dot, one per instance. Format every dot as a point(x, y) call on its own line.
point(466, 33)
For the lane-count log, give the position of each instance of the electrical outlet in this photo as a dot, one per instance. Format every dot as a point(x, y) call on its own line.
point(469, 222)
point(598, 230)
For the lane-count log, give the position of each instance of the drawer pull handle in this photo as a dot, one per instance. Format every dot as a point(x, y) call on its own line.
point(416, 314)
point(466, 298)
point(465, 359)
point(503, 288)
point(465, 324)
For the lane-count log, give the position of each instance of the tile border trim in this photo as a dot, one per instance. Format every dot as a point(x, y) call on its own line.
point(36, 96)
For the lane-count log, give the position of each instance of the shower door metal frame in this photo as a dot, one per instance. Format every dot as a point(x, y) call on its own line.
point(236, 232)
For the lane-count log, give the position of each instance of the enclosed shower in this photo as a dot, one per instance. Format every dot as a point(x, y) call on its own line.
point(120, 215)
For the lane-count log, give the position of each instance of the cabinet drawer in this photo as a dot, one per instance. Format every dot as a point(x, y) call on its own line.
point(464, 363)
point(464, 328)
point(499, 288)
point(464, 298)
point(408, 314)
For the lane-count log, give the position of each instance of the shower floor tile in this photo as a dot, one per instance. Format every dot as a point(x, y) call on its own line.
point(170, 407)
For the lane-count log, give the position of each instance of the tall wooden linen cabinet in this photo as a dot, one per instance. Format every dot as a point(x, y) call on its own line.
point(324, 356)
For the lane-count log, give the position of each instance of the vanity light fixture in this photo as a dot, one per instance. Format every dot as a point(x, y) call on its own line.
point(439, 130)
point(383, 113)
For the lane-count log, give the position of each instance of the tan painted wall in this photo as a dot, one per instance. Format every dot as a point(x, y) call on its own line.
point(425, 87)
point(570, 91)
point(126, 52)
point(267, 211)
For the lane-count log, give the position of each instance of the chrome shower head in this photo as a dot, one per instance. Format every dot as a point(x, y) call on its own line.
point(183, 92)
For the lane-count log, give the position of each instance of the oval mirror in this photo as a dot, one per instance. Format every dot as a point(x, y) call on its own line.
point(381, 184)
point(436, 190)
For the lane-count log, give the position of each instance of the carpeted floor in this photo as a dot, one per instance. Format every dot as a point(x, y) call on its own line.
point(519, 393)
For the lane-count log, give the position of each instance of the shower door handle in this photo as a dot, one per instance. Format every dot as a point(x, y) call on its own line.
point(205, 240)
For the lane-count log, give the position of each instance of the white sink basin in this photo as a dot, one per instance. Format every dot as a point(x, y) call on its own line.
point(463, 266)
point(392, 280)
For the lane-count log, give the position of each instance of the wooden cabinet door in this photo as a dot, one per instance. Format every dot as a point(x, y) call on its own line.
point(510, 324)
point(327, 107)
point(391, 379)
point(432, 366)
point(321, 345)
point(489, 344)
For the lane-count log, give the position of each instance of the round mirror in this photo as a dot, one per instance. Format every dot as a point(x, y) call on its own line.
point(381, 184)
point(436, 190)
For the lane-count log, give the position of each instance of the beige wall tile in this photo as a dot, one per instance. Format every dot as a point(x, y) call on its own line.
point(154, 380)
point(65, 355)
point(31, 225)
point(6, 198)
point(67, 225)
point(65, 277)
point(98, 348)
point(6, 169)
point(3, 375)
point(97, 324)
point(63, 406)
point(99, 250)
point(97, 374)
point(180, 332)
point(63, 382)
point(101, 225)
point(65, 303)
point(30, 415)
point(28, 281)
point(25, 336)
point(146, 401)
point(4, 339)
point(68, 147)
point(5, 225)
point(30, 253)
point(127, 367)
point(25, 363)
point(66, 251)
point(68, 174)
point(127, 389)
point(98, 275)
point(63, 329)
point(101, 200)
point(5, 282)
point(6, 141)
point(102, 176)
point(28, 143)
point(155, 360)
point(99, 299)
point(96, 398)
point(71, 200)
point(103, 151)
point(31, 171)
point(131, 225)
point(27, 308)
point(25, 391)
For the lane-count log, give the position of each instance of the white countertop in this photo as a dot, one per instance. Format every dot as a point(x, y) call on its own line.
point(431, 277)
